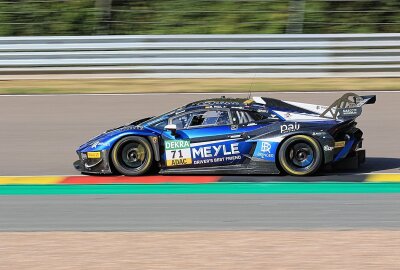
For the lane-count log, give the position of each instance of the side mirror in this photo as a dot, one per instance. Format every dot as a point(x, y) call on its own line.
point(172, 128)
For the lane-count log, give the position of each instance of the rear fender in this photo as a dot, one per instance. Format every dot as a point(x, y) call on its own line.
point(324, 139)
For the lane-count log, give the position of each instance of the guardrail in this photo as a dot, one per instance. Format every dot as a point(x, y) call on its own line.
point(197, 56)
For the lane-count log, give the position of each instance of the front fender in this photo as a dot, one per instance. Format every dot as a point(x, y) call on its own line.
point(106, 140)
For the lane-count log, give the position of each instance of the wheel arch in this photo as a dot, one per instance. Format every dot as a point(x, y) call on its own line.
point(155, 147)
point(277, 161)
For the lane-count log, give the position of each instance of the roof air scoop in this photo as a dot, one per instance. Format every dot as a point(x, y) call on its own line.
point(259, 100)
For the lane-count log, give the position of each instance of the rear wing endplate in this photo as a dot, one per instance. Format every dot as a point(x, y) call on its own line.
point(348, 106)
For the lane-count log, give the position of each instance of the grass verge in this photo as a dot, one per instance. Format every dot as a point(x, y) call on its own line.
point(75, 86)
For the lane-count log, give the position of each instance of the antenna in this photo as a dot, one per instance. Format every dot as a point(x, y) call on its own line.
point(251, 85)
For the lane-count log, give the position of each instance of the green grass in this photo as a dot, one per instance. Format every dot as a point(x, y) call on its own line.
point(74, 86)
point(213, 188)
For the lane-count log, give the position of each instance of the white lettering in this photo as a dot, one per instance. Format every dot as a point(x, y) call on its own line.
point(197, 152)
point(213, 151)
point(217, 149)
point(98, 143)
point(285, 128)
point(235, 148)
point(328, 148)
point(207, 151)
point(168, 145)
point(225, 151)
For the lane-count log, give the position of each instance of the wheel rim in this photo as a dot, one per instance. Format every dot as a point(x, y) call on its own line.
point(133, 155)
point(300, 156)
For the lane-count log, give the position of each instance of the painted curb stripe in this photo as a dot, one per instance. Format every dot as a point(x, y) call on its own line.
point(30, 180)
point(139, 179)
point(383, 178)
point(212, 188)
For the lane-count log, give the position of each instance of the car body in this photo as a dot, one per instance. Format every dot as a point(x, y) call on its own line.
point(258, 135)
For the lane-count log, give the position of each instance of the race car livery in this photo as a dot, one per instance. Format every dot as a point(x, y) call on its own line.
point(259, 135)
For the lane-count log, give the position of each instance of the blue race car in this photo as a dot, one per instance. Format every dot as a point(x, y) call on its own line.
point(233, 136)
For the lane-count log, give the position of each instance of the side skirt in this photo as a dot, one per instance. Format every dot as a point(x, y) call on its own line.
point(254, 167)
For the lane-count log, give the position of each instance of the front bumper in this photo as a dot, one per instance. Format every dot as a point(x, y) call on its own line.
point(93, 165)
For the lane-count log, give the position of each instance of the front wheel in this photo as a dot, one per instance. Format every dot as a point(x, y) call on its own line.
point(132, 155)
point(300, 155)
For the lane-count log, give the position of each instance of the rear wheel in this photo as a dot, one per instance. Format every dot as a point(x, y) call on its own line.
point(300, 155)
point(132, 155)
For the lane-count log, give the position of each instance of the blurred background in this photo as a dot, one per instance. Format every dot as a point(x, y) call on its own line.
point(54, 46)
point(93, 17)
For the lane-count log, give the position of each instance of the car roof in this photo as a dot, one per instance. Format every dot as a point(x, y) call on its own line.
point(219, 103)
point(222, 100)
point(254, 103)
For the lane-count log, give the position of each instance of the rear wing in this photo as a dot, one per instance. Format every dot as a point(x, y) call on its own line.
point(348, 106)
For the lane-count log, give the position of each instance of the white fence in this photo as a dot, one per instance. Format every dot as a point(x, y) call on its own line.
point(202, 56)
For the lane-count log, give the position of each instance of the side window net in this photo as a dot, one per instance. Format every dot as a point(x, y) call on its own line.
point(244, 117)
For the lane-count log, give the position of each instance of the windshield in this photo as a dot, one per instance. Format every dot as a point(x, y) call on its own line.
point(154, 120)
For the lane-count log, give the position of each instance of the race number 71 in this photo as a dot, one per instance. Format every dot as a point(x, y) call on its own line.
point(174, 154)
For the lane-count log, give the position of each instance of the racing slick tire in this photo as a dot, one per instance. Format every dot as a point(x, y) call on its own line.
point(300, 155)
point(132, 155)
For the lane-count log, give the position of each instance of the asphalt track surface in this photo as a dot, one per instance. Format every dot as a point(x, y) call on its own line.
point(199, 212)
point(39, 134)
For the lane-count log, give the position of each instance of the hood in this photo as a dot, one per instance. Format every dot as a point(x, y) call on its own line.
point(106, 140)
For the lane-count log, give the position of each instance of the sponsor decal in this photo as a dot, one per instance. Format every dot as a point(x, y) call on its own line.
point(93, 154)
point(83, 155)
point(128, 127)
point(216, 154)
point(266, 150)
point(136, 127)
point(265, 147)
point(328, 148)
point(178, 152)
point(98, 143)
point(350, 111)
point(223, 159)
point(217, 103)
point(320, 107)
point(340, 144)
point(286, 128)
point(215, 150)
point(318, 133)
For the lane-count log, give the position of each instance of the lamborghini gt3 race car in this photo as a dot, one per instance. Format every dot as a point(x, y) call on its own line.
point(233, 136)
